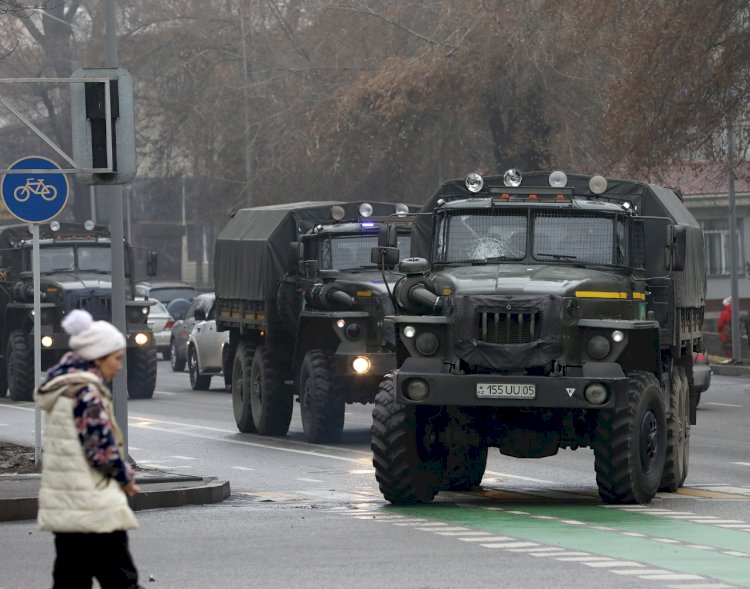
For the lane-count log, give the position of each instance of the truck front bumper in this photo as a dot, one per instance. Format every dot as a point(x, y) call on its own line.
point(445, 388)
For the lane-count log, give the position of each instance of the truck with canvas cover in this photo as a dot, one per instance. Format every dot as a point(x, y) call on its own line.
point(75, 273)
point(304, 307)
point(541, 312)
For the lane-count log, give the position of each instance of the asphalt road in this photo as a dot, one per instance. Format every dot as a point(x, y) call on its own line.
point(312, 516)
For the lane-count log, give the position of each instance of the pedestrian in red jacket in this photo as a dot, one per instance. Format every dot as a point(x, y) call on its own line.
point(725, 328)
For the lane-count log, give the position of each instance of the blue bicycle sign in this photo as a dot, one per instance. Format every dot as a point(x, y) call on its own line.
point(34, 196)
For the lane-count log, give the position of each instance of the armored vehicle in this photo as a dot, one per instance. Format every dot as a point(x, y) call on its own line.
point(543, 312)
point(304, 307)
point(75, 273)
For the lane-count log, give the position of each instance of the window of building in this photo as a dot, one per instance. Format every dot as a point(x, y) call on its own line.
point(716, 237)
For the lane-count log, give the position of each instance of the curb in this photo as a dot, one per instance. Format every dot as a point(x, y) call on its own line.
point(730, 369)
point(157, 492)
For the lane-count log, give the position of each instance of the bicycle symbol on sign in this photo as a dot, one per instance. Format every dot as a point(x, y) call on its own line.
point(46, 191)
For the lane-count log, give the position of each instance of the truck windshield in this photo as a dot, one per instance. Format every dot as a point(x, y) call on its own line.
point(63, 258)
point(499, 236)
point(353, 251)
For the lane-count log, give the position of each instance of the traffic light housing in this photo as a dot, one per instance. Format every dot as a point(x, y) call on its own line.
point(89, 123)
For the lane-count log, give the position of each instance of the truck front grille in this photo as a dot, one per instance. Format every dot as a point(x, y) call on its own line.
point(100, 307)
point(509, 327)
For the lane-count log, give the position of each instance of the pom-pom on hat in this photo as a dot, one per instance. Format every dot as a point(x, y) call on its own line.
point(91, 339)
point(727, 301)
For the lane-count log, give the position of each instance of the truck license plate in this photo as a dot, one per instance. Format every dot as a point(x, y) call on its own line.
point(505, 391)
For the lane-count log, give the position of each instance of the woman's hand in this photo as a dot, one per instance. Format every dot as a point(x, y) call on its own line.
point(131, 489)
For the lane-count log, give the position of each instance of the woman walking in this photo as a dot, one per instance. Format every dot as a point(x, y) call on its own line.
point(85, 475)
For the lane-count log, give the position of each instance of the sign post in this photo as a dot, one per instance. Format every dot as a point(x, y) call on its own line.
point(35, 197)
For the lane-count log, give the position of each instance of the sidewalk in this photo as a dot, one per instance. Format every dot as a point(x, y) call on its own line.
point(19, 492)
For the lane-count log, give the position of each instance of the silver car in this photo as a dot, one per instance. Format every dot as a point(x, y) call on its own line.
point(160, 322)
point(205, 350)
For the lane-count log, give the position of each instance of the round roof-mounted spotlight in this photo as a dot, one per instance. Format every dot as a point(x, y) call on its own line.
point(598, 184)
point(54, 226)
point(88, 225)
point(626, 205)
point(402, 209)
point(365, 209)
point(337, 212)
point(558, 179)
point(474, 182)
point(512, 178)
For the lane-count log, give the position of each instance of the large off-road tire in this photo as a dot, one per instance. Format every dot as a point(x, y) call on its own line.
point(321, 404)
point(20, 367)
point(405, 468)
point(141, 373)
point(241, 384)
point(630, 444)
point(678, 433)
point(176, 361)
point(272, 402)
point(198, 381)
point(465, 466)
point(3, 379)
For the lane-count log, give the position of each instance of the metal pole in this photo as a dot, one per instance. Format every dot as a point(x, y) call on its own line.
point(119, 386)
point(246, 113)
point(35, 261)
point(733, 249)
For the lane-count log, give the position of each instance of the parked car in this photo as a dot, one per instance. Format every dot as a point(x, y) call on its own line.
point(160, 322)
point(166, 292)
point(701, 373)
point(205, 350)
point(182, 328)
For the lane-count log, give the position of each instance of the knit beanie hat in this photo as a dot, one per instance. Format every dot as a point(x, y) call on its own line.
point(91, 339)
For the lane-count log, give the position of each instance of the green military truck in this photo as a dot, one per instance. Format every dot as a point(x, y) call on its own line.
point(75, 273)
point(541, 312)
point(304, 307)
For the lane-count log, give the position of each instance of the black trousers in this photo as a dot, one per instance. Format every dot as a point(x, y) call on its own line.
point(104, 557)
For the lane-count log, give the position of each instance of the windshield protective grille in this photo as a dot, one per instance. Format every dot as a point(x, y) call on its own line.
point(482, 235)
point(508, 327)
point(586, 239)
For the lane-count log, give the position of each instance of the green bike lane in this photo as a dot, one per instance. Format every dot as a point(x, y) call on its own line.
point(674, 545)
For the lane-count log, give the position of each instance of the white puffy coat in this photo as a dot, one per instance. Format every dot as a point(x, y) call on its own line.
point(74, 497)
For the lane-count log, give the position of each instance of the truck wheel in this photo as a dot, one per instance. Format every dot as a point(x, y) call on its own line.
point(271, 401)
point(678, 434)
point(241, 385)
point(20, 367)
point(321, 405)
point(465, 467)
point(141, 373)
point(405, 468)
point(198, 381)
point(176, 361)
point(630, 444)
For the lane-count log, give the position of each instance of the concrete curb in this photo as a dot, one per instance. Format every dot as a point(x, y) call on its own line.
point(19, 494)
point(731, 369)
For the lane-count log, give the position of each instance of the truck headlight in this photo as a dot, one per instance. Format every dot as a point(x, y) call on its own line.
point(416, 389)
point(47, 341)
point(595, 393)
point(409, 331)
point(617, 336)
point(427, 343)
point(361, 364)
point(141, 339)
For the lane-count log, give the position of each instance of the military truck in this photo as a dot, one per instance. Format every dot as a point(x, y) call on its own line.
point(304, 307)
point(539, 312)
point(75, 273)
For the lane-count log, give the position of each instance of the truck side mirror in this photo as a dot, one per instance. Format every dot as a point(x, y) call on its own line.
point(295, 252)
point(676, 247)
point(384, 257)
point(308, 268)
point(387, 236)
point(152, 261)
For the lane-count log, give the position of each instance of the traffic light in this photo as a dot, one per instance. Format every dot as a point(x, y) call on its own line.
point(90, 134)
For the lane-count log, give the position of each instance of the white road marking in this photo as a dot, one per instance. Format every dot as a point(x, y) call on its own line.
point(310, 480)
point(19, 406)
point(485, 539)
point(725, 404)
point(622, 564)
point(510, 545)
point(178, 457)
point(167, 393)
point(538, 550)
point(701, 586)
point(242, 468)
point(564, 553)
point(363, 471)
point(639, 572)
point(512, 476)
point(444, 529)
point(742, 463)
point(587, 558)
point(672, 577)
